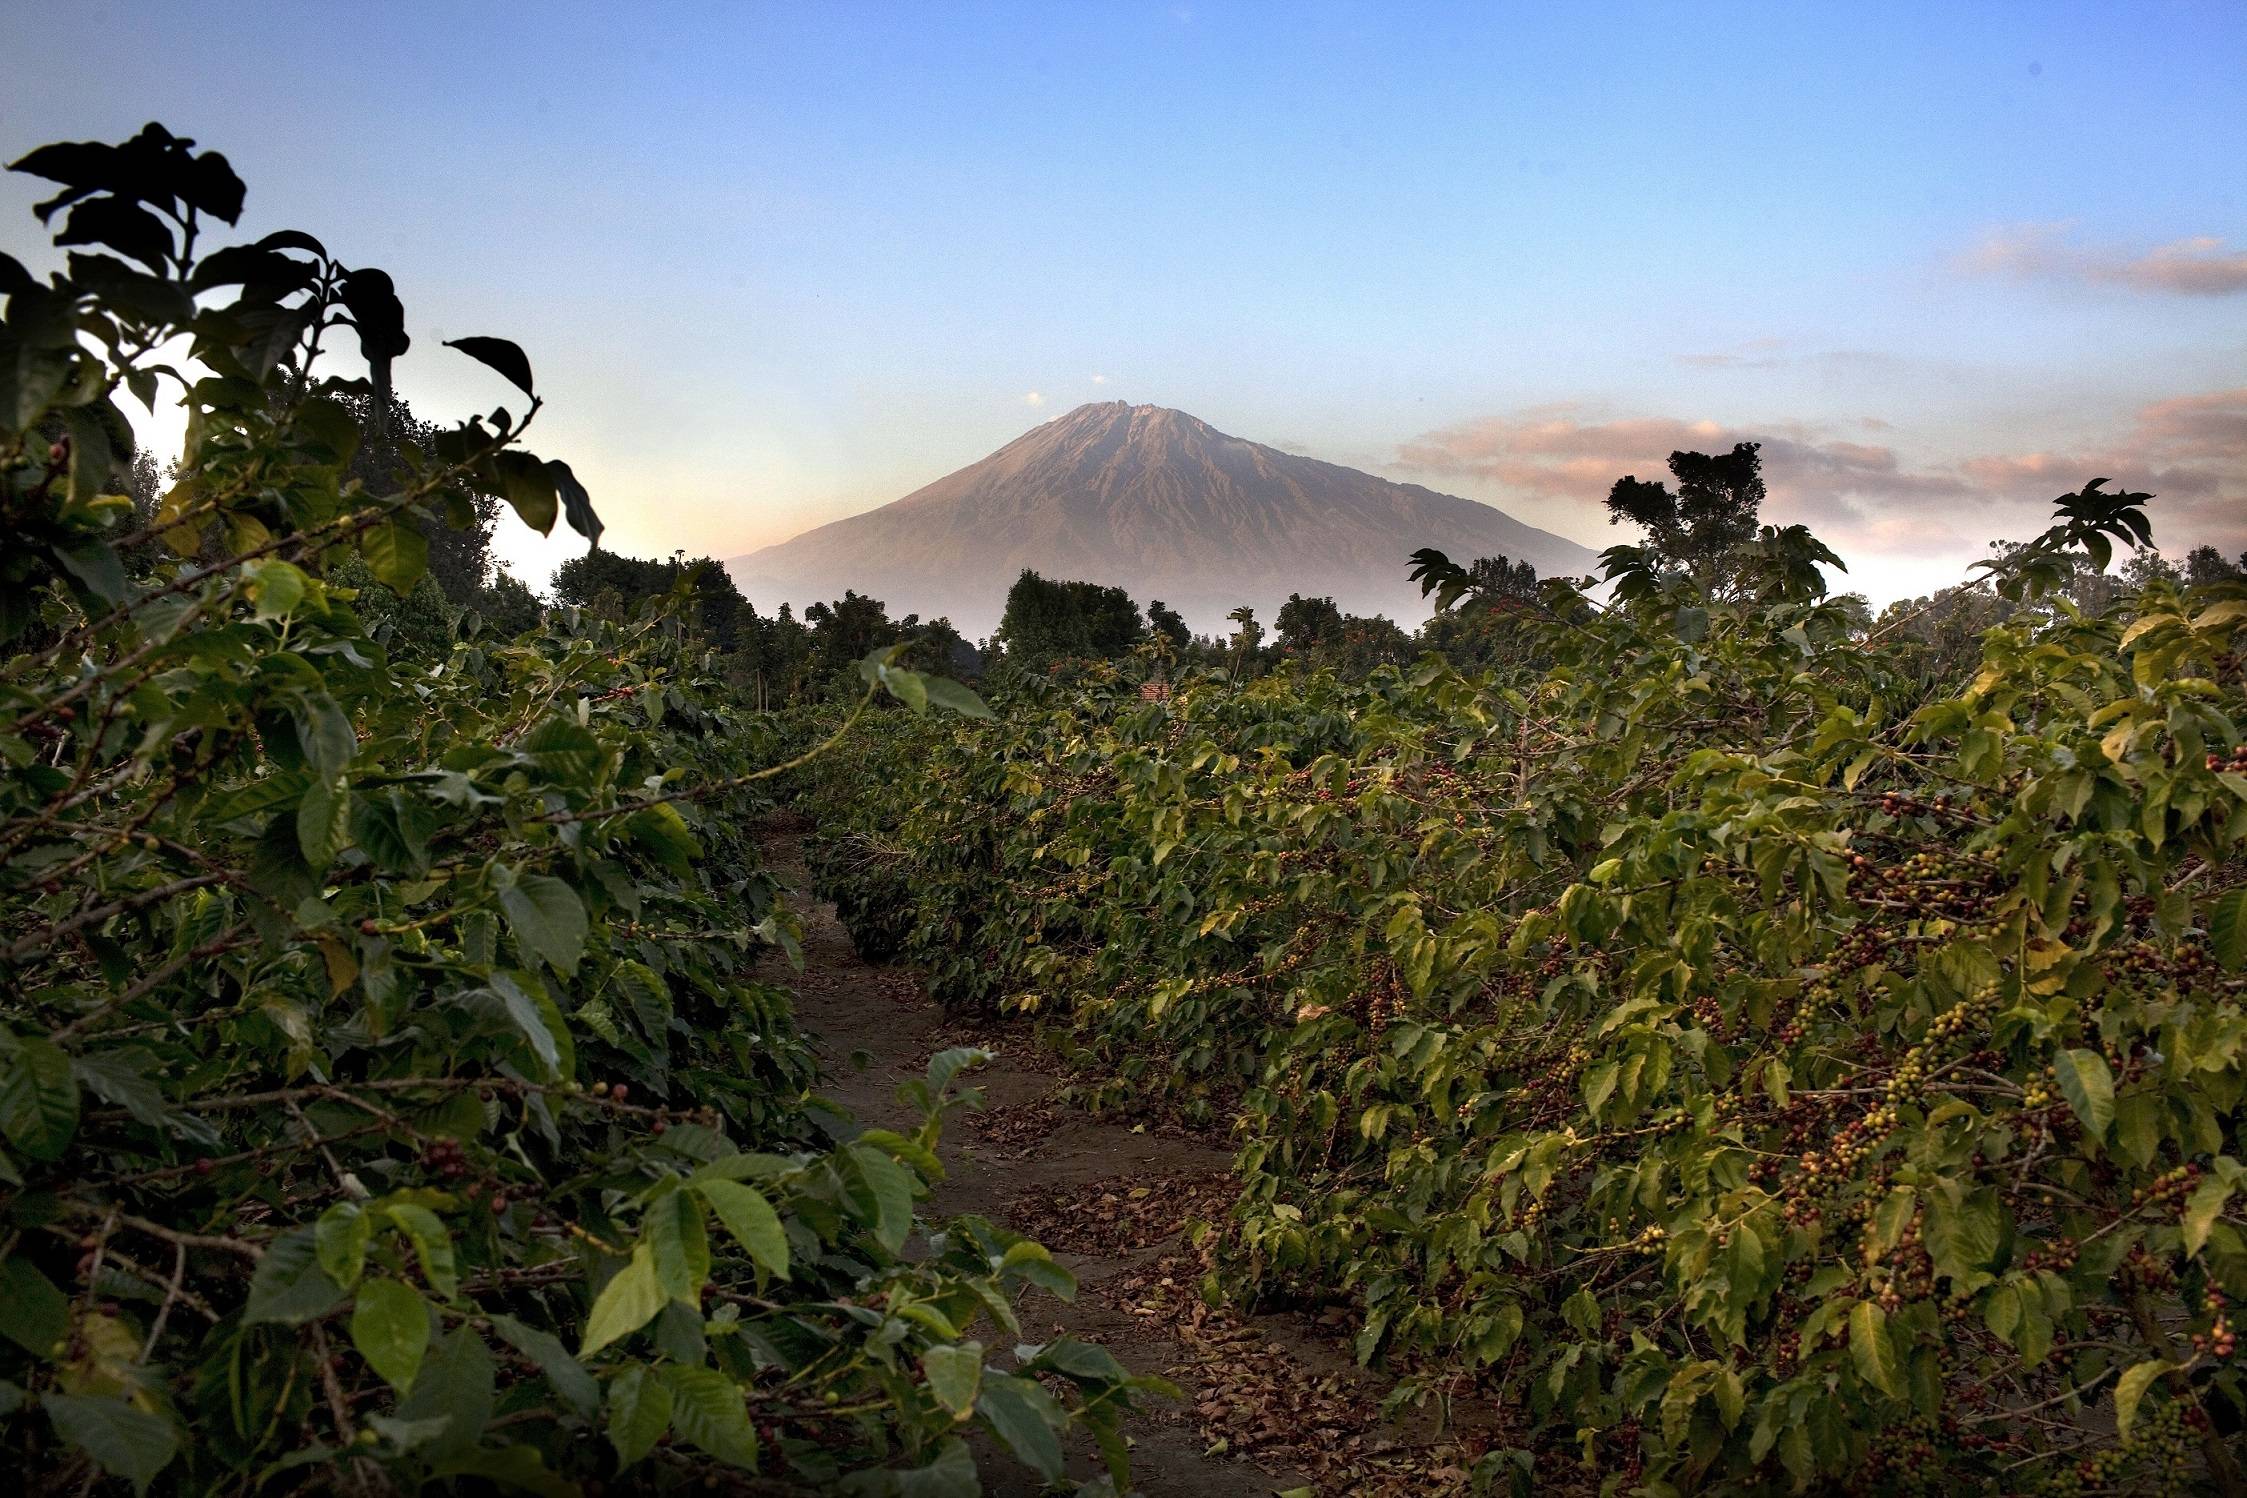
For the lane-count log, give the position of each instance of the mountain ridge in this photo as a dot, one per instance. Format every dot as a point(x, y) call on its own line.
point(1155, 500)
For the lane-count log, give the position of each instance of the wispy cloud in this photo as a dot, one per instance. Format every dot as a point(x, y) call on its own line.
point(2199, 266)
point(1099, 379)
point(2196, 266)
point(2190, 451)
point(1756, 353)
point(1032, 398)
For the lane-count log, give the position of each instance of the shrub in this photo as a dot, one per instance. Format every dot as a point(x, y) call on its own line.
point(389, 1087)
point(1752, 1069)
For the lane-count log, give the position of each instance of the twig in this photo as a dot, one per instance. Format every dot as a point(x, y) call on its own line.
point(171, 1297)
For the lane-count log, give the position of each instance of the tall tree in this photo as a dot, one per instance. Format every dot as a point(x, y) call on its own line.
point(1307, 624)
point(460, 553)
point(1247, 636)
point(2204, 565)
point(1053, 618)
point(847, 630)
point(1713, 510)
point(939, 646)
point(782, 661)
point(1166, 623)
point(1501, 578)
point(721, 615)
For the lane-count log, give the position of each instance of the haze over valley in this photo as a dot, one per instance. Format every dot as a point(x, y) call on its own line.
point(1157, 502)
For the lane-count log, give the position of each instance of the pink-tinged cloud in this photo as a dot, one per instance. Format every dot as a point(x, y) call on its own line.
point(2214, 425)
point(2189, 451)
point(2197, 266)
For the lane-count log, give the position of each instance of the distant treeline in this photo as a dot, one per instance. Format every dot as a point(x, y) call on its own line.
point(1059, 626)
point(783, 657)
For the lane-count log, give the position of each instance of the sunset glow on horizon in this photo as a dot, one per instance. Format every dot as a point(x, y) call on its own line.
point(777, 265)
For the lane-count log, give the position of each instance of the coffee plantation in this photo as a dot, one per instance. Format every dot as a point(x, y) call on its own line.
point(1716, 1045)
point(1737, 1062)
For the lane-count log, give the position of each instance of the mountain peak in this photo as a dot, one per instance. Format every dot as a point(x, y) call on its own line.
point(1104, 413)
point(1158, 501)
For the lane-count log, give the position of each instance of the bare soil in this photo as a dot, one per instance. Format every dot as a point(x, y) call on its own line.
point(1273, 1403)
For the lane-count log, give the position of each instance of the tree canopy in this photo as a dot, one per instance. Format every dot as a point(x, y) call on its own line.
point(717, 612)
point(1053, 618)
point(1712, 512)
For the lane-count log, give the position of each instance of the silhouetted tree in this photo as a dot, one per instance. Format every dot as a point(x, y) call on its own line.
point(1247, 636)
point(849, 629)
point(460, 554)
point(1486, 623)
point(781, 662)
point(720, 614)
point(939, 646)
point(2149, 566)
point(508, 606)
point(1164, 621)
point(1364, 642)
point(1500, 577)
point(1713, 510)
point(2205, 565)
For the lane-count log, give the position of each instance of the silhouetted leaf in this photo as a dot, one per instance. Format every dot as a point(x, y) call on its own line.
point(577, 505)
point(528, 487)
point(500, 354)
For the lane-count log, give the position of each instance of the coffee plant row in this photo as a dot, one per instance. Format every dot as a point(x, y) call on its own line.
point(1735, 1065)
point(389, 1096)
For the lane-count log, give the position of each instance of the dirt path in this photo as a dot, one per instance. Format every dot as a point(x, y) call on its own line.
point(1273, 1403)
point(1035, 1168)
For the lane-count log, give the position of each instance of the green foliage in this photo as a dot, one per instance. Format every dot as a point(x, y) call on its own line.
point(1050, 619)
point(1166, 624)
point(849, 628)
point(620, 585)
point(1314, 631)
point(389, 1092)
point(1306, 624)
point(1759, 1069)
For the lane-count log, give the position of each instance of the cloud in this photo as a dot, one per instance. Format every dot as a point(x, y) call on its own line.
point(2197, 266)
point(1774, 353)
point(1033, 398)
point(2190, 451)
point(1756, 353)
point(1099, 379)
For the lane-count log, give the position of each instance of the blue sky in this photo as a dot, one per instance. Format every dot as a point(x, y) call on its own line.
point(776, 264)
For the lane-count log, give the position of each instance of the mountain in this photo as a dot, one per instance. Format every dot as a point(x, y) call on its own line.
point(1158, 501)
